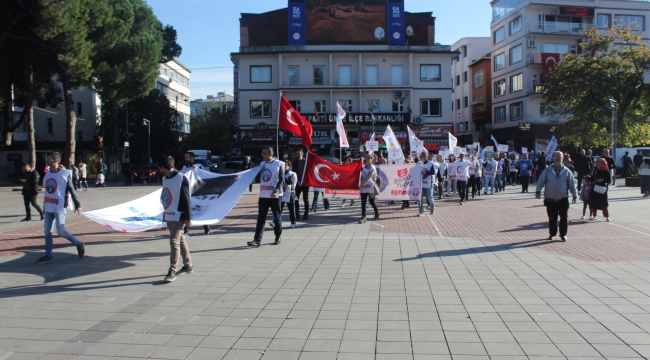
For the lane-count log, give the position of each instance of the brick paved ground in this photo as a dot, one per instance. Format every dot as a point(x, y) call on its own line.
point(474, 281)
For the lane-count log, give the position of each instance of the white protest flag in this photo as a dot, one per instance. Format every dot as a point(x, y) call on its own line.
point(552, 145)
point(453, 142)
point(392, 144)
point(372, 138)
point(343, 138)
point(213, 196)
point(496, 144)
point(414, 143)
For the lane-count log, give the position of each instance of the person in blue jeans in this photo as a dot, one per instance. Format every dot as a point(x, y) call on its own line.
point(314, 204)
point(59, 190)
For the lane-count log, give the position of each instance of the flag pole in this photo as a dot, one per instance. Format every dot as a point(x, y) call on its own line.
point(277, 129)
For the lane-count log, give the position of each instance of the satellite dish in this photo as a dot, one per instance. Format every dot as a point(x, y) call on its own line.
point(409, 31)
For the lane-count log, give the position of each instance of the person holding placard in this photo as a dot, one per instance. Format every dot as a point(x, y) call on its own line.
point(428, 173)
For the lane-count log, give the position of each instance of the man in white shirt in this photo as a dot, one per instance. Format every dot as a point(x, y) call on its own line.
point(271, 185)
point(489, 173)
point(462, 173)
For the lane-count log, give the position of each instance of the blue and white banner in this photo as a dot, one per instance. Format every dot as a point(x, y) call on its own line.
point(213, 196)
point(396, 27)
point(297, 26)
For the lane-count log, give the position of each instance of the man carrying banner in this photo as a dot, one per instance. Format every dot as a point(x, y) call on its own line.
point(191, 164)
point(271, 184)
point(428, 174)
point(59, 190)
point(298, 167)
point(177, 204)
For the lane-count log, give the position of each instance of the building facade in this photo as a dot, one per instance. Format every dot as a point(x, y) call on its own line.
point(470, 50)
point(174, 81)
point(395, 85)
point(220, 100)
point(481, 99)
point(528, 33)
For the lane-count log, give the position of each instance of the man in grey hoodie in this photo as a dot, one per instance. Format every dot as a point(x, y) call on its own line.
point(558, 181)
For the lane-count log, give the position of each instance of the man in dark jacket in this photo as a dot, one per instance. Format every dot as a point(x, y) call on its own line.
point(628, 165)
point(638, 160)
point(298, 167)
point(127, 170)
point(611, 164)
point(30, 191)
point(247, 165)
point(583, 164)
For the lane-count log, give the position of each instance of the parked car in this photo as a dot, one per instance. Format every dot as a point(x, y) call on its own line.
point(332, 159)
point(147, 173)
point(216, 162)
point(231, 167)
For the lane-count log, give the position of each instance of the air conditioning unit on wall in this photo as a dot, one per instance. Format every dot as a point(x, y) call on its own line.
point(399, 94)
point(532, 43)
point(418, 120)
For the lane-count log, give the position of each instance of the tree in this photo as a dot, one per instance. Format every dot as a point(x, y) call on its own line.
point(156, 108)
point(171, 48)
point(582, 85)
point(212, 129)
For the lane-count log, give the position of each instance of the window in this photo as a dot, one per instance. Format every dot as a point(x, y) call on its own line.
point(294, 75)
point(260, 108)
point(635, 22)
point(344, 74)
point(452, 105)
point(373, 106)
point(516, 54)
point(500, 114)
point(542, 108)
point(464, 51)
point(466, 125)
point(79, 109)
point(465, 76)
point(499, 88)
point(457, 104)
point(553, 48)
point(457, 80)
point(429, 72)
point(396, 75)
point(295, 104)
point(398, 105)
point(430, 107)
point(260, 74)
point(80, 136)
point(466, 101)
point(320, 106)
point(604, 21)
point(515, 25)
point(516, 83)
point(478, 79)
point(516, 111)
point(319, 74)
point(346, 105)
point(499, 61)
point(50, 128)
point(372, 75)
point(499, 35)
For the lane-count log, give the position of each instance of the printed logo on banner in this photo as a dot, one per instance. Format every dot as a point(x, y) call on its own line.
point(50, 186)
point(383, 178)
point(296, 12)
point(166, 198)
point(396, 12)
point(402, 172)
point(488, 167)
point(415, 192)
point(266, 175)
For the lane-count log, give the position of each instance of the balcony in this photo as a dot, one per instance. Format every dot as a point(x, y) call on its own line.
point(537, 89)
point(557, 28)
point(346, 83)
point(536, 58)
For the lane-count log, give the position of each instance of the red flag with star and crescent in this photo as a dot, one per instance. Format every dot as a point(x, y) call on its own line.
point(324, 174)
point(290, 120)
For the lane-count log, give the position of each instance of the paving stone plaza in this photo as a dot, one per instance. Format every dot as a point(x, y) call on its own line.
point(478, 281)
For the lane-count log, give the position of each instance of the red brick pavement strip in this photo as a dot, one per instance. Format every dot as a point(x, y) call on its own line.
point(512, 219)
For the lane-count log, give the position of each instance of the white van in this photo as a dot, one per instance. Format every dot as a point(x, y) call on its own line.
point(620, 152)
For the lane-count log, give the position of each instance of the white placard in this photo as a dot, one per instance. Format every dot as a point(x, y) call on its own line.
point(524, 150)
point(417, 147)
point(372, 146)
point(503, 148)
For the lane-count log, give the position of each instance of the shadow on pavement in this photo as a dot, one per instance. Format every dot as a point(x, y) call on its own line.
point(481, 250)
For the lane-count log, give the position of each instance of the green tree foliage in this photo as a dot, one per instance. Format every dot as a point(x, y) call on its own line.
point(212, 129)
point(156, 108)
point(611, 66)
point(171, 48)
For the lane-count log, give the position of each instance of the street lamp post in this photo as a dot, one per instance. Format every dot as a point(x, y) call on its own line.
point(613, 105)
point(148, 123)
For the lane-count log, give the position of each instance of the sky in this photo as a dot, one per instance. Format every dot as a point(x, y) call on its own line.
point(208, 31)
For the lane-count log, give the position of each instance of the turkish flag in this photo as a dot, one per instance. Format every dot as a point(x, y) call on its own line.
point(548, 64)
point(324, 174)
point(290, 120)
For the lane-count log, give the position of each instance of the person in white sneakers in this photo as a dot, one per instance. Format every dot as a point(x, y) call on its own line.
point(428, 174)
point(59, 190)
point(271, 184)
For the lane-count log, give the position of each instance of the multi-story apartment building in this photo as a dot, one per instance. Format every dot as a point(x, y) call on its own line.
point(174, 81)
point(525, 33)
point(221, 99)
point(399, 79)
point(481, 98)
point(470, 50)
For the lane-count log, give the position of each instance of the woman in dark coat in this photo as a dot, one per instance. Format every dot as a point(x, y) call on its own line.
point(598, 201)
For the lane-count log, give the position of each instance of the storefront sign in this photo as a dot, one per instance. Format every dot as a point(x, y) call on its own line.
point(360, 118)
point(576, 11)
point(319, 137)
point(260, 135)
point(524, 126)
point(432, 131)
point(379, 136)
